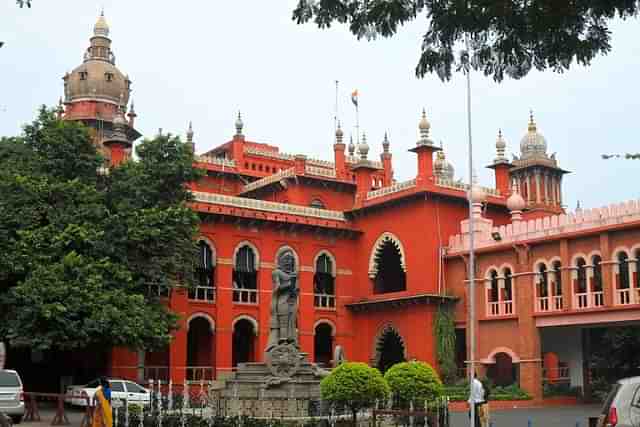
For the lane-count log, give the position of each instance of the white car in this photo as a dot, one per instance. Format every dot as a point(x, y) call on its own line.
point(121, 391)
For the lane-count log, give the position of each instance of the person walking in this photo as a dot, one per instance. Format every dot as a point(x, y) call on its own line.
point(102, 413)
point(476, 398)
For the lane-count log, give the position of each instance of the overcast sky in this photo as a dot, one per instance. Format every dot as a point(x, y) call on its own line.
point(204, 61)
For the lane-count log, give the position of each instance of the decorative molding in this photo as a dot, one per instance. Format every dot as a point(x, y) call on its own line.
point(216, 161)
point(225, 261)
point(261, 205)
point(344, 272)
point(263, 182)
point(320, 171)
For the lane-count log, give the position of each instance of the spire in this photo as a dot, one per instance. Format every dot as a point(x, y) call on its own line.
point(532, 124)
point(385, 143)
point(101, 28)
point(352, 146)
point(578, 206)
point(363, 147)
point(424, 126)
point(190, 132)
point(132, 110)
point(501, 145)
point(239, 124)
point(339, 134)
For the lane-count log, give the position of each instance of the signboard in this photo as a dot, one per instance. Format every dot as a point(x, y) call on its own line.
point(3, 355)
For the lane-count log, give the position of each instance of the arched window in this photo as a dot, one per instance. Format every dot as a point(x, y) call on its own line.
point(494, 292)
point(623, 270)
point(324, 283)
point(508, 284)
point(557, 278)
point(204, 290)
point(245, 276)
point(543, 281)
point(317, 203)
point(596, 261)
point(581, 283)
point(390, 276)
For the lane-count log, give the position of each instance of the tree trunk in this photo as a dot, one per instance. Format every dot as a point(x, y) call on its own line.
point(355, 417)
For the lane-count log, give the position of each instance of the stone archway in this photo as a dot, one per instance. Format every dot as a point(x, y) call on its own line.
point(200, 349)
point(504, 371)
point(244, 339)
point(389, 348)
point(323, 344)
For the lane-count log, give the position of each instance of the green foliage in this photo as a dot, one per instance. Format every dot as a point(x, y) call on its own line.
point(561, 389)
point(460, 392)
point(414, 381)
point(506, 37)
point(445, 333)
point(354, 385)
point(79, 250)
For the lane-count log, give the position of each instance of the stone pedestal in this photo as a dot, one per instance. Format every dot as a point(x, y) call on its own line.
point(286, 384)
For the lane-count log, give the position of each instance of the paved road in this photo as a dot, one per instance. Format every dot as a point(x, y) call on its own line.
point(548, 417)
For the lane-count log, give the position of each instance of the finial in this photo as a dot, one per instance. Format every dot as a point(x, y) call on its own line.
point(339, 134)
point(424, 126)
point(532, 123)
point(363, 147)
point(385, 143)
point(501, 145)
point(239, 124)
point(190, 132)
point(132, 110)
point(101, 28)
point(159, 131)
point(352, 146)
point(578, 207)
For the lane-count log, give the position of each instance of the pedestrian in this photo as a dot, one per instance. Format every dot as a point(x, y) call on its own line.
point(485, 413)
point(102, 413)
point(476, 398)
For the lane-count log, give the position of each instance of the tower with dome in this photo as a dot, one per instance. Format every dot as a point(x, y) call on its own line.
point(97, 93)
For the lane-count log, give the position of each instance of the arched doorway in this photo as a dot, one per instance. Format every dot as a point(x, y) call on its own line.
point(389, 349)
point(200, 351)
point(504, 371)
point(323, 344)
point(244, 335)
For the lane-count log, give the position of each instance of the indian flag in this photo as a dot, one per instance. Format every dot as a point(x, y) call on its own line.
point(354, 97)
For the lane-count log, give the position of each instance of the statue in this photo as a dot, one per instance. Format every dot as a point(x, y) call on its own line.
point(284, 303)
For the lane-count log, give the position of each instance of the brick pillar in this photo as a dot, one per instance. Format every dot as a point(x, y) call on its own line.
point(306, 310)
point(529, 349)
point(608, 285)
point(224, 313)
point(178, 346)
point(567, 285)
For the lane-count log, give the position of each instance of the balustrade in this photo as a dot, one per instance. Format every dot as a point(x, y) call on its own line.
point(245, 296)
point(325, 301)
point(500, 308)
point(199, 373)
point(202, 293)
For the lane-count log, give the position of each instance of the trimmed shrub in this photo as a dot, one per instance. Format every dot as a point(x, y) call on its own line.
point(414, 381)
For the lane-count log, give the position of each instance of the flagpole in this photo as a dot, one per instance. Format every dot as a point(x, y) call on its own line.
point(336, 116)
point(358, 121)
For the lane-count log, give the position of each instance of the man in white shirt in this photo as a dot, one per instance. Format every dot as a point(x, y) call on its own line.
point(476, 398)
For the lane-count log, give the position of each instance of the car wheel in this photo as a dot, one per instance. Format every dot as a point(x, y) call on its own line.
point(17, 419)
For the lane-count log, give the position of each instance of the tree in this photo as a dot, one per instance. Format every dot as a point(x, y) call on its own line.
point(80, 250)
point(445, 333)
point(627, 156)
point(506, 37)
point(354, 385)
point(414, 382)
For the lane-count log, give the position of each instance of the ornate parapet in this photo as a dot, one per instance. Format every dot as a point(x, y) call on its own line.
point(261, 205)
point(551, 226)
point(215, 161)
point(459, 185)
point(320, 171)
point(384, 191)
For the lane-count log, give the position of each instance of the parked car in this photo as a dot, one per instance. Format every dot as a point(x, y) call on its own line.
point(622, 406)
point(5, 421)
point(11, 395)
point(121, 390)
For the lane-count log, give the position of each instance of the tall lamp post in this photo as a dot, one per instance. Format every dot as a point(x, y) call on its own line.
point(472, 267)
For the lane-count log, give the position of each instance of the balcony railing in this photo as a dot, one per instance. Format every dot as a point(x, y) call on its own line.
point(552, 303)
point(557, 302)
point(324, 301)
point(199, 373)
point(543, 304)
point(245, 296)
point(588, 300)
point(203, 294)
point(156, 373)
point(500, 308)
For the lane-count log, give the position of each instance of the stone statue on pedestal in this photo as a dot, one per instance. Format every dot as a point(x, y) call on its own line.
point(283, 327)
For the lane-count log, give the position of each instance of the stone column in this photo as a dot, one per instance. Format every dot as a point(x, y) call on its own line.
point(224, 317)
point(546, 189)
point(608, 285)
point(567, 286)
point(537, 175)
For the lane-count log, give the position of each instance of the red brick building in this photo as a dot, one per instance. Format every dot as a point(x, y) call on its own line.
point(375, 256)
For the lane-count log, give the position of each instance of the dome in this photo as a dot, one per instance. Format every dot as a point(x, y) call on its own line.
point(363, 147)
point(97, 79)
point(515, 202)
point(533, 144)
point(443, 169)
